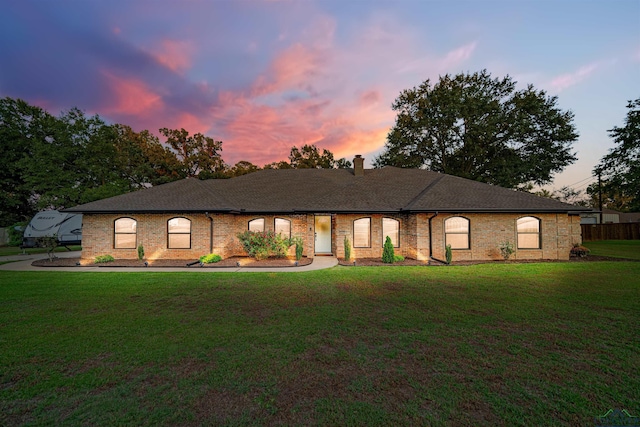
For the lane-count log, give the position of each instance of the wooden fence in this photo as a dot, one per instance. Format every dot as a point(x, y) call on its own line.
point(625, 231)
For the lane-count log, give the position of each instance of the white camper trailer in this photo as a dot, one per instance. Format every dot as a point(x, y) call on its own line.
point(66, 226)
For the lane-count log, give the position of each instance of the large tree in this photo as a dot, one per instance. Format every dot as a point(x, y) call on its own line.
point(143, 160)
point(620, 169)
point(199, 154)
point(18, 127)
point(309, 157)
point(477, 127)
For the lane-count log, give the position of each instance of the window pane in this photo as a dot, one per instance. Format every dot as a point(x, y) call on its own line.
point(529, 241)
point(361, 233)
point(456, 225)
point(457, 241)
point(125, 225)
point(283, 226)
point(391, 228)
point(179, 225)
point(125, 241)
point(179, 241)
point(528, 224)
point(256, 224)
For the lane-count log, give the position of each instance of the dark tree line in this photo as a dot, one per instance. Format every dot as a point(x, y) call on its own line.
point(49, 162)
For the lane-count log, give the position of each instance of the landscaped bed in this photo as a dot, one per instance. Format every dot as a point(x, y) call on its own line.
point(283, 262)
point(229, 262)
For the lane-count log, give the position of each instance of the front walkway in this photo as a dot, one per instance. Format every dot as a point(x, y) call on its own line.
point(23, 263)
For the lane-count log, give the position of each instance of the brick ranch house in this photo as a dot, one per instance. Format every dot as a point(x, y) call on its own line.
point(422, 211)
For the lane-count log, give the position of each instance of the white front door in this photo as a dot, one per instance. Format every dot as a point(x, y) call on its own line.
point(323, 234)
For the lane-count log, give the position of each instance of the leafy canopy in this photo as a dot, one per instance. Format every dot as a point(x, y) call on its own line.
point(477, 127)
point(620, 169)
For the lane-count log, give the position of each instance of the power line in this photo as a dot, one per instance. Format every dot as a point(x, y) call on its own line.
point(590, 177)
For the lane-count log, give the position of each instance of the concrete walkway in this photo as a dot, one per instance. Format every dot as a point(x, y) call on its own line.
point(23, 263)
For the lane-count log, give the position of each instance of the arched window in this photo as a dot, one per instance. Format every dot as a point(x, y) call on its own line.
point(179, 233)
point(528, 233)
point(125, 233)
point(391, 228)
point(362, 233)
point(456, 232)
point(282, 226)
point(256, 224)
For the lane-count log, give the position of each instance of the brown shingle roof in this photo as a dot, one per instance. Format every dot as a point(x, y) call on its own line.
point(388, 189)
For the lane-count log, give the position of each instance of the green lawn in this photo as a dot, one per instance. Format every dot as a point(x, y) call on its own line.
point(629, 249)
point(495, 344)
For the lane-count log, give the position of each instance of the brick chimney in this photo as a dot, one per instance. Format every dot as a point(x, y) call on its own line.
point(358, 165)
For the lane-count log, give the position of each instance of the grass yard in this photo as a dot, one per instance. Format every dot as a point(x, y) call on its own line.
point(629, 249)
point(14, 250)
point(495, 344)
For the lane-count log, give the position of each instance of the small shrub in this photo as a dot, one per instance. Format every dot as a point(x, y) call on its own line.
point(298, 242)
point(398, 258)
point(448, 253)
point(579, 251)
point(387, 251)
point(140, 252)
point(347, 248)
point(263, 244)
point(48, 242)
point(210, 259)
point(506, 249)
point(101, 259)
point(16, 233)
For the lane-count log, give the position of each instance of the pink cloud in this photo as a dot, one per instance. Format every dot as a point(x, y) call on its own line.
point(458, 55)
point(369, 98)
point(174, 54)
point(294, 68)
point(570, 79)
point(311, 92)
point(130, 97)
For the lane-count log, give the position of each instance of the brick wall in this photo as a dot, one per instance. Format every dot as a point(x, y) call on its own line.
point(559, 233)
point(98, 235)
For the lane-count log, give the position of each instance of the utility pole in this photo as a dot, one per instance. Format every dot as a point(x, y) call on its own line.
point(600, 194)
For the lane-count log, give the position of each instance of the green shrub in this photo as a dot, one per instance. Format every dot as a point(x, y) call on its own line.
point(506, 249)
point(448, 253)
point(263, 244)
point(299, 246)
point(398, 258)
point(211, 258)
point(347, 248)
point(140, 252)
point(101, 259)
point(387, 251)
point(16, 232)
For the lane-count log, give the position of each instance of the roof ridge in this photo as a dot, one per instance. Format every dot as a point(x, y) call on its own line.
point(423, 192)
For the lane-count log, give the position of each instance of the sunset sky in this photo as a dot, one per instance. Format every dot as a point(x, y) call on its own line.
point(265, 75)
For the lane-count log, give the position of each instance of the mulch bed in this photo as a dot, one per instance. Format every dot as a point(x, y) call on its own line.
point(287, 262)
point(377, 262)
point(229, 262)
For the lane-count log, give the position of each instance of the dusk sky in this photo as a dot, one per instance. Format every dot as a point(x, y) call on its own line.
point(263, 76)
